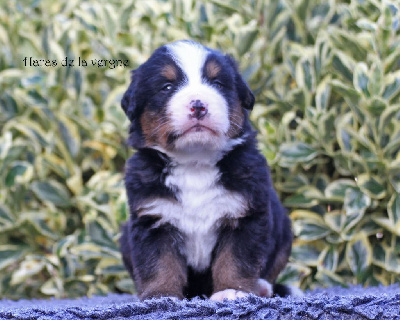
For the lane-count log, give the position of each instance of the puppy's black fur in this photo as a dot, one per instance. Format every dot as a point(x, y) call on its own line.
point(255, 245)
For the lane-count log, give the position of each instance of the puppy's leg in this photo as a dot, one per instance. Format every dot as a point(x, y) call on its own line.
point(279, 258)
point(228, 279)
point(154, 255)
point(167, 280)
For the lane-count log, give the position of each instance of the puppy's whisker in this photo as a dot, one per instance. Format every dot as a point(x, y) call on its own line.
point(157, 130)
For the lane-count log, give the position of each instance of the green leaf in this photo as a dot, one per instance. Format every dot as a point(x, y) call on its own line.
point(355, 201)
point(310, 231)
point(345, 91)
point(110, 20)
point(329, 258)
point(33, 131)
point(308, 225)
point(388, 225)
point(379, 255)
point(225, 5)
point(344, 139)
point(394, 178)
point(27, 269)
point(371, 186)
point(335, 220)
point(377, 106)
point(344, 65)
point(299, 200)
point(293, 183)
point(110, 266)
point(349, 44)
point(392, 88)
point(298, 98)
point(330, 279)
point(20, 172)
point(6, 218)
point(392, 261)
point(366, 24)
point(359, 254)
point(5, 144)
point(53, 192)
point(92, 251)
point(52, 287)
point(304, 75)
point(361, 79)
point(323, 94)
point(305, 253)
point(10, 254)
point(336, 190)
point(126, 12)
point(386, 258)
point(39, 221)
point(245, 37)
point(393, 209)
point(293, 273)
point(100, 235)
point(391, 62)
point(297, 152)
point(126, 285)
point(70, 135)
point(375, 85)
point(388, 116)
point(62, 246)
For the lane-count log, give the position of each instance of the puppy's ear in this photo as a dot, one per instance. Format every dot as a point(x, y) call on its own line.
point(246, 97)
point(128, 102)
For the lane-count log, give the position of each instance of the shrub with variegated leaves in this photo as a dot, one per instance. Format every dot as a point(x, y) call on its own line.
point(326, 77)
point(330, 124)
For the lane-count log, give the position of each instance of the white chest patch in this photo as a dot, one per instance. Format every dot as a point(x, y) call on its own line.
point(201, 205)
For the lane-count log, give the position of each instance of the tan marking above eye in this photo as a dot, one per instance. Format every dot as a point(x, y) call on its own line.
point(212, 69)
point(170, 72)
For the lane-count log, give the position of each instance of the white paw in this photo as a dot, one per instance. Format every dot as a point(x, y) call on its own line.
point(229, 294)
point(296, 292)
point(264, 288)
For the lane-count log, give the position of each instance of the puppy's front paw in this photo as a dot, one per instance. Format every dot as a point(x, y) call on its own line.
point(229, 294)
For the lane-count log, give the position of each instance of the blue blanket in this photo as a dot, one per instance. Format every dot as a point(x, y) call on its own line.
point(334, 303)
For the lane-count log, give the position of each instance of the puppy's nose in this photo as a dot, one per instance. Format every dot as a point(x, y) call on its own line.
point(198, 109)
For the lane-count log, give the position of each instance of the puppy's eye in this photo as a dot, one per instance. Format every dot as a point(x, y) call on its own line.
point(167, 87)
point(217, 84)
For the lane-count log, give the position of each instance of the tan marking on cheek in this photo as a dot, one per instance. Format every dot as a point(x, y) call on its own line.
point(156, 128)
point(236, 118)
point(169, 72)
point(212, 69)
point(147, 126)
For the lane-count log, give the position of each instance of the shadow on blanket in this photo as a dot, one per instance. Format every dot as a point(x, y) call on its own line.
point(334, 303)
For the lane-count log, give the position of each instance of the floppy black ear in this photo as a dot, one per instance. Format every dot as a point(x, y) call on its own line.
point(128, 102)
point(246, 96)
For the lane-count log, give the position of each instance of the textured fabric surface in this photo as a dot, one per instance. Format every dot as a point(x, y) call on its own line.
point(333, 303)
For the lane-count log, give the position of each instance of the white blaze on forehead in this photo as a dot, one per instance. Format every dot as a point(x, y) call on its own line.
point(190, 57)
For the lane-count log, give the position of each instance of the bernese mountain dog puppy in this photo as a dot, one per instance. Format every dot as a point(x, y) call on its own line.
point(205, 219)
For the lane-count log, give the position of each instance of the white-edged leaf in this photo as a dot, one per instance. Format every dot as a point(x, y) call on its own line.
point(359, 254)
point(53, 192)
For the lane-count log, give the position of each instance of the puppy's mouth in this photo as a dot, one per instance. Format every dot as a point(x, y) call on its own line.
point(199, 128)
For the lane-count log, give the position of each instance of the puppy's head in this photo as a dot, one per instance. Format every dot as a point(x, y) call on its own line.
point(187, 97)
